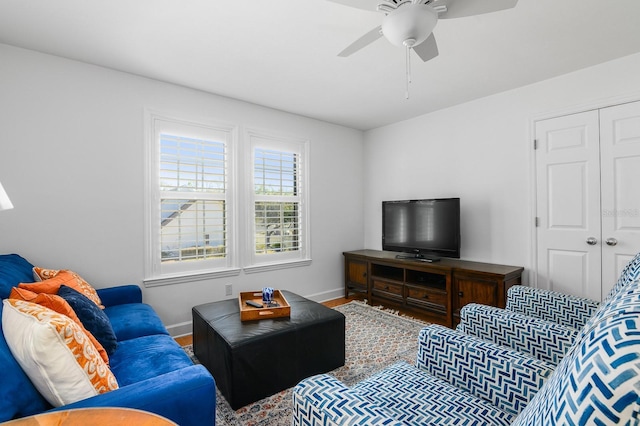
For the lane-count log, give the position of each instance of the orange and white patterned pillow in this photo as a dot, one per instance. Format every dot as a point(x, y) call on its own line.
point(50, 280)
point(54, 352)
point(61, 306)
point(40, 274)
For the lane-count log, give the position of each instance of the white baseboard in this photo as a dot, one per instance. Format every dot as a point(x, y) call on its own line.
point(180, 329)
point(326, 295)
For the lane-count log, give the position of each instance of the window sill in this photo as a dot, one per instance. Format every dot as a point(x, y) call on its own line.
point(188, 278)
point(275, 266)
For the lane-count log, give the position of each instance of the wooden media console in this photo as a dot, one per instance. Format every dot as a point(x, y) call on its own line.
point(437, 290)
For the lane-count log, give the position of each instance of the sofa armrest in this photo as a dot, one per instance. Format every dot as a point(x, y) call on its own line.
point(120, 295)
point(323, 400)
point(506, 378)
point(544, 340)
point(564, 309)
point(186, 396)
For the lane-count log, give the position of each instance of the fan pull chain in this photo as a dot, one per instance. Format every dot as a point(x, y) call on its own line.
point(408, 69)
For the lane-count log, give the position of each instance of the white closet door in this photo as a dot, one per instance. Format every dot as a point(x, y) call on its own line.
point(620, 170)
point(568, 205)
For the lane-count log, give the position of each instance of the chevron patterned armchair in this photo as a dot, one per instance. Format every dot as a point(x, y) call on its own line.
point(541, 323)
point(459, 379)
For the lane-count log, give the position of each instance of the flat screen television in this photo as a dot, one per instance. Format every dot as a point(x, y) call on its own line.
point(428, 229)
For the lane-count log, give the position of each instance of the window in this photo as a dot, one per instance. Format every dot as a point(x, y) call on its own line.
point(190, 204)
point(279, 224)
point(192, 199)
point(277, 201)
point(192, 228)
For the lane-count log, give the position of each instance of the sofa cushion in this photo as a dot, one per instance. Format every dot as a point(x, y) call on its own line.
point(63, 277)
point(18, 396)
point(120, 295)
point(13, 271)
point(55, 353)
point(412, 396)
point(92, 317)
point(59, 305)
point(630, 273)
point(597, 381)
point(146, 357)
point(131, 320)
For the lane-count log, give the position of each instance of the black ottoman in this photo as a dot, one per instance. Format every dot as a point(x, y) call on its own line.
point(254, 359)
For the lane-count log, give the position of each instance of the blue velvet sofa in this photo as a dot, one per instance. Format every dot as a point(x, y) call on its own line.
point(153, 372)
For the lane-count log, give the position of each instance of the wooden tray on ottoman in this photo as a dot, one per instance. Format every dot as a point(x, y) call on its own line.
point(249, 313)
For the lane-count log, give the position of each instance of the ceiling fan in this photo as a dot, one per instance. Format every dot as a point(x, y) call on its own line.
point(410, 23)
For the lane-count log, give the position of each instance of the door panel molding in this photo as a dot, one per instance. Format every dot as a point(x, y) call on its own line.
point(568, 204)
point(620, 170)
point(591, 105)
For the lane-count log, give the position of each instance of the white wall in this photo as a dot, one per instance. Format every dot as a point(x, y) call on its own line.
point(71, 159)
point(481, 151)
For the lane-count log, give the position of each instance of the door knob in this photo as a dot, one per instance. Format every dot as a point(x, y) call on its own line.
point(592, 241)
point(611, 241)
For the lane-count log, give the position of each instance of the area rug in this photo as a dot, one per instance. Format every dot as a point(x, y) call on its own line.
point(375, 338)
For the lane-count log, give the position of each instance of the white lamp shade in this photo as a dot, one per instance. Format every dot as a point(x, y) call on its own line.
point(5, 202)
point(409, 22)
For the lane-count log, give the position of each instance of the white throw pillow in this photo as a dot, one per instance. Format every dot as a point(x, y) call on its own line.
point(55, 353)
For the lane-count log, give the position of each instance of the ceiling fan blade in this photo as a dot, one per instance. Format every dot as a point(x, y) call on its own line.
point(370, 5)
point(363, 41)
point(462, 8)
point(428, 49)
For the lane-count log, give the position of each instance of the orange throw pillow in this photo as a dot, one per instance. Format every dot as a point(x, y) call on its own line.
point(59, 305)
point(40, 274)
point(53, 279)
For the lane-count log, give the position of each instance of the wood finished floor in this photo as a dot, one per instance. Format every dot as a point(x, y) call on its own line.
point(188, 340)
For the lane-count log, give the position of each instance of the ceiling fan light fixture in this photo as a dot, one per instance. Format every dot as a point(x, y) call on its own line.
point(410, 42)
point(409, 21)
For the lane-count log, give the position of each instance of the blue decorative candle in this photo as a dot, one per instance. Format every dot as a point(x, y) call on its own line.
point(267, 295)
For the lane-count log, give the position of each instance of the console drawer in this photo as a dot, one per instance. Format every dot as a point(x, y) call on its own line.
point(387, 289)
point(427, 298)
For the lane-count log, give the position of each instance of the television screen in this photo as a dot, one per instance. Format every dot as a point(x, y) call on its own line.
point(425, 228)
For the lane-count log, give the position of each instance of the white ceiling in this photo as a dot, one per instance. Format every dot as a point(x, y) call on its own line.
point(282, 53)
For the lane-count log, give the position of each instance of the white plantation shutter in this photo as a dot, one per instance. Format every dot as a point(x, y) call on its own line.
point(279, 200)
point(192, 198)
point(276, 201)
point(190, 203)
point(192, 232)
point(189, 164)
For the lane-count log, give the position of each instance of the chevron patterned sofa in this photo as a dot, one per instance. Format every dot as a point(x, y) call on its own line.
point(460, 379)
